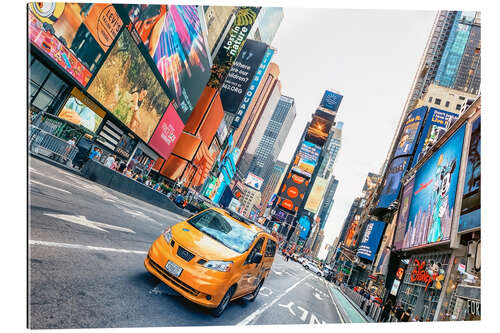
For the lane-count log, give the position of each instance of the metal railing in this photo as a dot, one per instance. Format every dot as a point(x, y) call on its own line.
point(371, 309)
point(44, 143)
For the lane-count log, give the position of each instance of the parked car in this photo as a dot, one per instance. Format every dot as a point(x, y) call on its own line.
point(313, 268)
point(213, 258)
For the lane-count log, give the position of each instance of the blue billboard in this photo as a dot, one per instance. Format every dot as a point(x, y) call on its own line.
point(392, 182)
point(371, 240)
point(410, 133)
point(436, 124)
point(305, 226)
point(331, 100)
point(470, 215)
point(433, 201)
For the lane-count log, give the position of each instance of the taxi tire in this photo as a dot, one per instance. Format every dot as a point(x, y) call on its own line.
point(217, 312)
point(255, 293)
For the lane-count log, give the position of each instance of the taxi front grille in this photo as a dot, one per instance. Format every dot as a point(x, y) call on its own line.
point(184, 254)
point(173, 279)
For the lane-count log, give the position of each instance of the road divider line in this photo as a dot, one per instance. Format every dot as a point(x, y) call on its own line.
point(50, 186)
point(263, 308)
point(84, 247)
point(334, 303)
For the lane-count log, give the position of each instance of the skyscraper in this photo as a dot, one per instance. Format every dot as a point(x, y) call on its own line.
point(326, 205)
point(273, 139)
point(272, 183)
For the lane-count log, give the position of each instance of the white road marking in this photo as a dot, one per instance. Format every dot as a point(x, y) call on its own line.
point(265, 291)
point(278, 273)
point(318, 296)
point(289, 307)
point(82, 220)
point(50, 186)
point(35, 171)
point(334, 303)
point(304, 313)
point(315, 320)
point(263, 308)
point(84, 247)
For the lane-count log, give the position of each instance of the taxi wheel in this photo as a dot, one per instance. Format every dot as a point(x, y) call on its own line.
point(223, 303)
point(256, 291)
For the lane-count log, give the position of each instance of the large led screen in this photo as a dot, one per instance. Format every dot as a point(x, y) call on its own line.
point(331, 100)
point(410, 133)
point(82, 111)
point(433, 201)
point(316, 195)
point(127, 87)
point(392, 182)
point(167, 133)
point(318, 130)
point(404, 209)
point(292, 191)
point(306, 159)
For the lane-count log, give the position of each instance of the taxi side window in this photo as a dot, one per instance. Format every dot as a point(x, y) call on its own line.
point(256, 248)
point(270, 248)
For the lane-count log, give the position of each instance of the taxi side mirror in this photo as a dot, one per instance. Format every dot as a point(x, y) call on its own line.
point(257, 258)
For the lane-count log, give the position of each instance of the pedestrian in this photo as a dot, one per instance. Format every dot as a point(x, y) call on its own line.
point(109, 161)
point(71, 144)
point(398, 312)
point(94, 153)
point(115, 165)
point(406, 315)
point(386, 311)
point(147, 182)
point(122, 166)
point(128, 173)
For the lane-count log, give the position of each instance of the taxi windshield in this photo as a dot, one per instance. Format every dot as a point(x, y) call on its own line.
point(224, 230)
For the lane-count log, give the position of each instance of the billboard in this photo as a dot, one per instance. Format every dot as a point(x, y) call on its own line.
point(174, 39)
point(292, 192)
point(242, 109)
point(167, 132)
point(316, 195)
point(331, 100)
point(433, 201)
point(436, 123)
point(216, 18)
point(305, 226)
point(80, 110)
point(403, 215)
point(127, 87)
point(240, 75)
point(470, 215)
point(306, 159)
point(371, 240)
point(254, 181)
point(392, 182)
point(232, 44)
point(318, 130)
point(410, 132)
point(371, 182)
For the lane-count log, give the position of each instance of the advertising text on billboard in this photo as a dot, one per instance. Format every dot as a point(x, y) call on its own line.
point(392, 183)
point(167, 132)
point(371, 240)
point(316, 195)
point(331, 100)
point(410, 133)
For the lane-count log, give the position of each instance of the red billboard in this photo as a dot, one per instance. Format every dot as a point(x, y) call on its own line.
point(167, 133)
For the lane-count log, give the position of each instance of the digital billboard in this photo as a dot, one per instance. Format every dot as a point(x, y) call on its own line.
point(433, 201)
point(316, 195)
point(167, 132)
point(410, 133)
point(247, 99)
point(371, 239)
point(292, 192)
point(331, 100)
point(403, 215)
point(175, 41)
point(127, 87)
point(240, 75)
point(254, 181)
point(232, 44)
point(306, 159)
point(305, 226)
point(392, 183)
point(371, 182)
point(80, 110)
point(318, 130)
point(75, 35)
point(470, 215)
point(216, 18)
point(436, 123)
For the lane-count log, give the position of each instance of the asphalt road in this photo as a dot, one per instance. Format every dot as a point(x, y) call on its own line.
point(87, 244)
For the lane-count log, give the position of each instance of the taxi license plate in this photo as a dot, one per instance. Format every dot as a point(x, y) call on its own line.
point(173, 268)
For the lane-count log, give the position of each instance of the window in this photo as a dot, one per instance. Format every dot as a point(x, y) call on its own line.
point(447, 103)
point(437, 101)
point(461, 98)
point(270, 248)
point(430, 99)
point(45, 88)
point(459, 106)
point(256, 248)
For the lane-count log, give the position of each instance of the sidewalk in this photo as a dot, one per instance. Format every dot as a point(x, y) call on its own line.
point(349, 310)
point(54, 163)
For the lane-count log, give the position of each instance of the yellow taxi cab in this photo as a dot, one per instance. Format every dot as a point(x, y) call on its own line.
point(212, 258)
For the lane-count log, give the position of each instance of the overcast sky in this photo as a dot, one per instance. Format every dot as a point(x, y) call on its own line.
point(370, 57)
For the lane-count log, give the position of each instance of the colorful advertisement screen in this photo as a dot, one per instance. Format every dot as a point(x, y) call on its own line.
point(82, 111)
point(371, 240)
point(127, 87)
point(371, 182)
point(305, 226)
point(240, 75)
point(318, 130)
point(316, 195)
point(167, 132)
point(232, 45)
point(254, 181)
point(392, 183)
point(174, 39)
point(433, 201)
point(306, 159)
point(436, 123)
point(471, 203)
point(292, 192)
point(75, 35)
point(403, 215)
point(410, 133)
point(331, 100)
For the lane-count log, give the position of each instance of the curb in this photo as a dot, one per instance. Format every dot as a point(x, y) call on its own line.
point(345, 318)
point(355, 306)
point(54, 163)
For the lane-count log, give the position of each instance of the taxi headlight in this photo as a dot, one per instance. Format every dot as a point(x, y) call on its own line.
point(167, 234)
point(221, 266)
